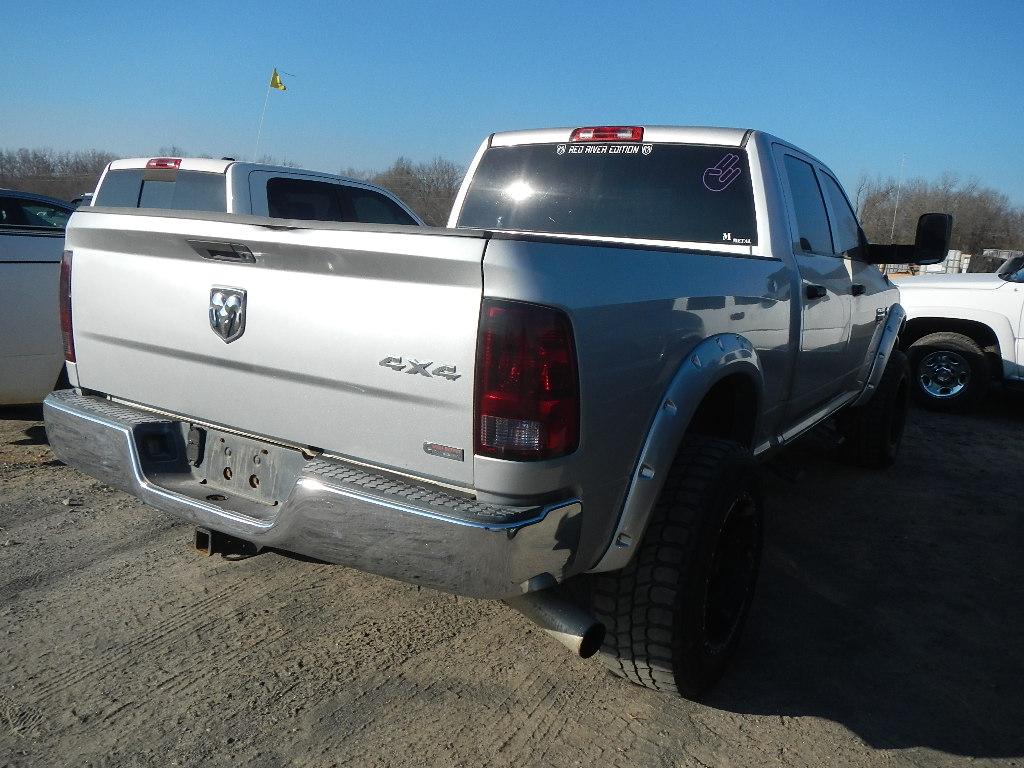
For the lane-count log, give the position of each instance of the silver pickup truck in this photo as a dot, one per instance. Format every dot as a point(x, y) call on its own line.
point(559, 401)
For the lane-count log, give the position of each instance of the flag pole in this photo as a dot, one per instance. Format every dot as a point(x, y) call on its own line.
point(259, 131)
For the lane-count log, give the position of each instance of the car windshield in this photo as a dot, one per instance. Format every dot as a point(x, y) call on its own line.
point(672, 192)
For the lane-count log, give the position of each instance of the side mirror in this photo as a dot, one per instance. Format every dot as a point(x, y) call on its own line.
point(930, 246)
point(932, 242)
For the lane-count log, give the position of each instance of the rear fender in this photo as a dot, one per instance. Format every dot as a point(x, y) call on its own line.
point(894, 320)
point(708, 363)
point(998, 323)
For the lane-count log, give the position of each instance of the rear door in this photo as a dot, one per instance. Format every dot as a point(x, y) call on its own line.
point(871, 293)
point(823, 364)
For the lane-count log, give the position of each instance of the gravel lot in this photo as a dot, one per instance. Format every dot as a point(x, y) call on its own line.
point(889, 629)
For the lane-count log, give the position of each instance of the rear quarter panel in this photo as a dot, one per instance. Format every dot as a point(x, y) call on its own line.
point(635, 319)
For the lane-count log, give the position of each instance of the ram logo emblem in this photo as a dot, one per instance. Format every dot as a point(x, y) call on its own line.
point(413, 366)
point(227, 312)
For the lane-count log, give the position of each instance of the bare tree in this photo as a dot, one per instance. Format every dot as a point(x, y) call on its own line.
point(427, 188)
point(59, 174)
point(982, 217)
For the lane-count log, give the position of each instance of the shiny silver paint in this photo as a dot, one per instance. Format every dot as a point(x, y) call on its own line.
point(642, 313)
point(328, 520)
point(636, 322)
point(722, 355)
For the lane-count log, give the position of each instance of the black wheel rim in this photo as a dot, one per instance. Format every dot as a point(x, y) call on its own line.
point(733, 571)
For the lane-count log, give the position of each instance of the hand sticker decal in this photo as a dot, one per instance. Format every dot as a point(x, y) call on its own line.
point(722, 174)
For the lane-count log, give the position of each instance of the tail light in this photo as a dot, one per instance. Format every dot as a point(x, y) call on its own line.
point(609, 133)
point(66, 325)
point(527, 385)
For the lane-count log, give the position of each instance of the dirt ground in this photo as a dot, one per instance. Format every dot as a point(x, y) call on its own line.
point(888, 630)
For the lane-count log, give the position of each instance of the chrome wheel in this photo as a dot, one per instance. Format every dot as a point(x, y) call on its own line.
point(944, 373)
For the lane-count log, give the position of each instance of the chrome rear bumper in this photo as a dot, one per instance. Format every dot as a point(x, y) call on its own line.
point(334, 511)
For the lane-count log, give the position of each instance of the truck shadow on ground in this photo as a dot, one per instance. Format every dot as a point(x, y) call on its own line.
point(891, 602)
point(33, 436)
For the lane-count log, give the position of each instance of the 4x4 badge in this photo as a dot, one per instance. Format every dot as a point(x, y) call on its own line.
point(415, 366)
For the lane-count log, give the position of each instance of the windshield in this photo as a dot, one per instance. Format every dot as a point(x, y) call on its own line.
point(1013, 269)
point(674, 192)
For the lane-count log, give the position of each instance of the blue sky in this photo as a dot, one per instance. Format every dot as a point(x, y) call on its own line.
point(858, 83)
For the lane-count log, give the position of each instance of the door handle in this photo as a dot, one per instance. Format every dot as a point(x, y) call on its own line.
point(857, 289)
point(816, 292)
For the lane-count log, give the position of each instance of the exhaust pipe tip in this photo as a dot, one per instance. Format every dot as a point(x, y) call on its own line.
point(583, 643)
point(574, 627)
point(592, 640)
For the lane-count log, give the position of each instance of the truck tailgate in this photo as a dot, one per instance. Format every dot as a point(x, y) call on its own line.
point(357, 340)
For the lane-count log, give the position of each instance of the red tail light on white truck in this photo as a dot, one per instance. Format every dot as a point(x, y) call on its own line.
point(66, 325)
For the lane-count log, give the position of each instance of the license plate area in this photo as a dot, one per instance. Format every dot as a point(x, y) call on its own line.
point(249, 468)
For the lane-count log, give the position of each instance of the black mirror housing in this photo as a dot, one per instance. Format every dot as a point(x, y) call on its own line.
point(931, 245)
point(934, 231)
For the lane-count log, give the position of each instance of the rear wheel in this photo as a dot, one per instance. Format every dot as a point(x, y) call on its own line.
point(675, 614)
point(950, 371)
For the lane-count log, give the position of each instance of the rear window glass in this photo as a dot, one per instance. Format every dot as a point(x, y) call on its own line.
point(184, 190)
point(676, 192)
point(373, 208)
point(815, 235)
point(120, 189)
point(303, 199)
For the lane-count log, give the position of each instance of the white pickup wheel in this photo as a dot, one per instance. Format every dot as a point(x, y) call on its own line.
point(950, 371)
point(675, 614)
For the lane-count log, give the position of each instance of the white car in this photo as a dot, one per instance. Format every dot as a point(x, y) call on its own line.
point(31, 244)
point(962, 333)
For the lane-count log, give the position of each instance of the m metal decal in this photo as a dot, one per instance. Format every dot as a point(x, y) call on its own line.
point(227, 312)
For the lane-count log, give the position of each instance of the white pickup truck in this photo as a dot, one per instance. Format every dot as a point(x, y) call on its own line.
point(964, 332)
point(573, 384)
point(230, 186)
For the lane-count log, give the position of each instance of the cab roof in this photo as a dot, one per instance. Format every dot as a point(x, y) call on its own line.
point(669, 134)
point(205, 164)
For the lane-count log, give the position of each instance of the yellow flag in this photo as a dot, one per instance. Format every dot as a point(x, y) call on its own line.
point(275, 81)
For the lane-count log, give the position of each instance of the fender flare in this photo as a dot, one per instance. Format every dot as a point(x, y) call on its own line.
point(895, 318)
point(708, 363)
